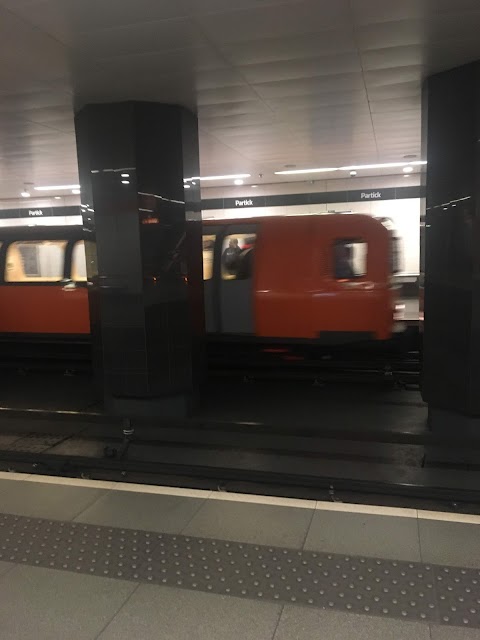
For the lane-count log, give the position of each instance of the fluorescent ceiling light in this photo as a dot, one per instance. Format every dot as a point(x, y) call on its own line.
point(292, 172)
point(235, 176)
point(75, 192)
point(358, 167)
point(25, 194)
point(382, 165)
point(408, 169)
point(238, 182)
point(61, 187)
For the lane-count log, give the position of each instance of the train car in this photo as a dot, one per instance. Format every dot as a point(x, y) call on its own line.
point(324, 279)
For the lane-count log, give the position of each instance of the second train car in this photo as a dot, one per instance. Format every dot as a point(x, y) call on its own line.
point(322, 279)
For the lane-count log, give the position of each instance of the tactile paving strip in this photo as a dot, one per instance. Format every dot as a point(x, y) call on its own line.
point(378, 587)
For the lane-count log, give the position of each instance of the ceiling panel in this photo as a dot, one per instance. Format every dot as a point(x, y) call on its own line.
point(198, 62)
point(329, 42)
point(311, 86)
point(394, 91)
point(265, 22)
point(66, 19)
point(307, 68)
point(274, 82)
point(367, 12)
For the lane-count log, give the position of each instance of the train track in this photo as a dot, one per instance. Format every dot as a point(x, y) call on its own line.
point(324, 464)
point(404, 373)
point(402, 369)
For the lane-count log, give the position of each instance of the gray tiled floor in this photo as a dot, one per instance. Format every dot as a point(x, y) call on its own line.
point(171, 614)
point(151, 512)
point(452, 633)
point(297, 623)
point(46, 604)
point(5, 566)
point(361, 534)
point(255, 523)
point(43, 604)
point(45, 500)
point(450, 543)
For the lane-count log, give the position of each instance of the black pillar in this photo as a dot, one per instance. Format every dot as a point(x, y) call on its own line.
point(145, 267)
point(451, 369)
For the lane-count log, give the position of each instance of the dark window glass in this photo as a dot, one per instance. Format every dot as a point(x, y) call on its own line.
point(208, 252)
point(35, 261)
point(350, 259)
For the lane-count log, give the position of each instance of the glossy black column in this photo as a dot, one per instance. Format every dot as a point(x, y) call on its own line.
point(145, 274)
point(451, 372)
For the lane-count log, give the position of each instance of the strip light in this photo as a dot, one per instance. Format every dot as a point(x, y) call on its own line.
point(235, 176)
point(61, 187)
point(293, 172)
point(358, 167)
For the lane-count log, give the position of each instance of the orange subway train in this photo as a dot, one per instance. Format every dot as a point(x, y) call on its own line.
point(325, 279)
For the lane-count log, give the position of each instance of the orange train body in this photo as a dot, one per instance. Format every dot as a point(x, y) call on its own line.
point(295, 291)
point(292, 291)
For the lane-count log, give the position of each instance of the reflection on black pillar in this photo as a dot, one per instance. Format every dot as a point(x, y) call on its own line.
point(146, 293)
point(452, 233)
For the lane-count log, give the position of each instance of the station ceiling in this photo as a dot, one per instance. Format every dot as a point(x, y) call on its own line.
point(310, 83)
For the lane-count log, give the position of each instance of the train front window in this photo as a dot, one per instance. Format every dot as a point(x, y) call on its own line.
point(237, 256)
point(208, 251)
point(350, 259)
point(35, 261)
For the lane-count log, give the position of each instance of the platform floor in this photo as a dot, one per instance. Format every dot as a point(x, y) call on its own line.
point(86, 559)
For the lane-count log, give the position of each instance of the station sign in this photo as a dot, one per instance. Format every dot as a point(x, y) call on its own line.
point(243, 203)
point(371, 195)
point(326, 197)
point(39, 212)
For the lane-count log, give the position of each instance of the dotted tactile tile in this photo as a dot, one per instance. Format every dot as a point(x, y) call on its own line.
point(385, 588)
point(458, 593)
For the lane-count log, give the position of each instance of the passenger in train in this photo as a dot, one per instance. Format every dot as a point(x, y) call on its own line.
point(245, 263)
point(231, 256)
point(343, 262)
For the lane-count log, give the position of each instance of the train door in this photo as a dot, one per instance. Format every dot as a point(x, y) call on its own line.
point(211, 257)
point(343, 300)
point(236, 282)
point(75, 293)
point(34, 297)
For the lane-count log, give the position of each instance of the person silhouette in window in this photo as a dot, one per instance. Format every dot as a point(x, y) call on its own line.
point(245, 260)
point(231, 256)
point(343, 264)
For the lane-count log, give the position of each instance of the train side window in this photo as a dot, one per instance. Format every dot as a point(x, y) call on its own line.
point(79, 262)
point(237, 256)
point(35, 261)
point(350, 259)
point(208, 253)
